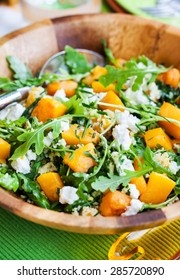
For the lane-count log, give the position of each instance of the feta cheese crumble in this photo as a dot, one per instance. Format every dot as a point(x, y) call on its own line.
point(134, 208)
point(48, 139)
point(136, 97)
point(164, 160)
point(68, 195)
point(132, 190)
point(21, 165)
point(122, 163)
point(60, 93)
point(127, 120)
point(122, 135)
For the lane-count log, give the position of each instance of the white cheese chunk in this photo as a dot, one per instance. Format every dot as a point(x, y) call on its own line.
point(134, 208)
point(122, 135)
point(68, 195)
point(21, 165)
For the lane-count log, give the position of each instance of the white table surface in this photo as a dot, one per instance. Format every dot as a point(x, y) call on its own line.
point(11, 19)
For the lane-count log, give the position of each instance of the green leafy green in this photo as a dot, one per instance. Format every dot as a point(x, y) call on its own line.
point(76, 61)
point(103, 183)
point(148, 157)
point(147, 206)
point(32, 189)
point(36, 137)
point(74, 106)
point(21, 71)
point(131, 69)
point(109, 53)
point(9, 182)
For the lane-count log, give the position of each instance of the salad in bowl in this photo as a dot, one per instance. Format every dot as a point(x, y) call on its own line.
point(93, 140)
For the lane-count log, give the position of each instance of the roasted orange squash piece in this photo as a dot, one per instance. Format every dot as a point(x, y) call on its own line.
point(5, 148)
point(114, 203)
point(111, 98)
point(79, 161)
point(98, 71)
point(140, 182)
point(48, 108)
point(159, 186)
point(69, 87)
point(157, 137)
point(95, 74)
point(168, 110)
point(74, 135)
point(50, 182)
point(98, 87)
point(171, 77)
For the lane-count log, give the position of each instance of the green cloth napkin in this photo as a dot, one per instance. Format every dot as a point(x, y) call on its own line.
point(24, 240)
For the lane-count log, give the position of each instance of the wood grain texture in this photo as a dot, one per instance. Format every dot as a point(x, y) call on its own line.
point(33, 44)
point(127, 36)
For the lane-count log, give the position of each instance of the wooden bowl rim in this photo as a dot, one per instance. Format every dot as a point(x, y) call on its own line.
point(87, 224)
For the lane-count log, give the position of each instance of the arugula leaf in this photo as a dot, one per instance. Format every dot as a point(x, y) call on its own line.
point(3, 82)
point(113, 182)
point(36, 136)
point(21, 70)
point(32, 189)
point(74, 106)
point(148, 158)
point(131, 69)
point(9, 182)
point(109, 53)
point(147, 206)
point(76, 61)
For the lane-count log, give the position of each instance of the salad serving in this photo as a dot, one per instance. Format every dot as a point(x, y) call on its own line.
point(93, 140)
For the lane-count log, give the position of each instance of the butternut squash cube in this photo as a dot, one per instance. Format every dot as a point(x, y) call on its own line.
point(50, 182)
point(48, 108)
point(111, 98)
point(159, 186)
point(5, 148)
point(98, 71)
point(140, 182)
point(79, 161)
point(95, 74)
point(69, 87)
point(98, 87)
point(114, 203)
point(168, 110)
point(74, 135)
point(171, 77)
point(157, 137)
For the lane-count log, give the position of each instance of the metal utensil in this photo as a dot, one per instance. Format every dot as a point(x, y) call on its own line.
point(53, 64)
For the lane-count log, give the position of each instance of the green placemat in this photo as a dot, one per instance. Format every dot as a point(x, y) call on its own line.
point(163, 10)
point(24, 240)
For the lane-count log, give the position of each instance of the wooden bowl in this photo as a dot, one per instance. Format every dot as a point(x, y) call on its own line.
point(127, 36)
